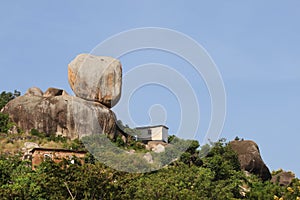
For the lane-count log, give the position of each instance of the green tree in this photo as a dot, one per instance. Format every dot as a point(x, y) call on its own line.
point(7, 165)
point(222, 160)
point(5, 97)
point(181, 182)
point(4, 123)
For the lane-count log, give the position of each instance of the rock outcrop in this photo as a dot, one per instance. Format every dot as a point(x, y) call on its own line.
point(156, 146)
point(159, 148)
point(52, 92)
point(250, 158)
point(59, 114)
point(34, 91)
point(148, 157)
point(283, 178)
point(96, 78)
point(97, 83)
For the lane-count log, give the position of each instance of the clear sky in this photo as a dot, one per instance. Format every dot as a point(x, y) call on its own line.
point(255, 44)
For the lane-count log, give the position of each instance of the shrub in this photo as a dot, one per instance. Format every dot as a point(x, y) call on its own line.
point(4, 122)
point(5, 97)
point(35, 132)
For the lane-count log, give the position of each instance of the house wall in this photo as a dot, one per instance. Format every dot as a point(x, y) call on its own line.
point(165, 134)
point(159, 133)
point(156, 133)
point(144, 134)
point(38, 156)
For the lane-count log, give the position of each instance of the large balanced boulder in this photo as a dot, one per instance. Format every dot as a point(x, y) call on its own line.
point(96, 78)
point(250, 158)
point(60, 114)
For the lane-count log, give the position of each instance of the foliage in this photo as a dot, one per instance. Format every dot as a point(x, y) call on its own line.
point(4, 121)
point(218, 176)
point(130, 143)
point(5, 97)
point(56, 181)
point(132, 135)
point(127, 130)
point(189, 172)
point(35, 132)
point(223, 161)
point(74, 144)
point(110, 154)
point(180, 182)
point(7, 166)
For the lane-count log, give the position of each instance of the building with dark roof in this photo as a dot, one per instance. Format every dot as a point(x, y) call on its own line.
point(57, 155)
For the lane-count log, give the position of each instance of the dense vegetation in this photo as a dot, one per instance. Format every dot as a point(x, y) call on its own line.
point(217, 177)
point(5, 97)
point(209, 172)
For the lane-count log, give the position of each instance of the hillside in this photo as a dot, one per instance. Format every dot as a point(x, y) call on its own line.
point(218, 175)
point(119, 162)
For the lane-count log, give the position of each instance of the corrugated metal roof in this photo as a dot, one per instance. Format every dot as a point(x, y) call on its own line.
point(56, 150)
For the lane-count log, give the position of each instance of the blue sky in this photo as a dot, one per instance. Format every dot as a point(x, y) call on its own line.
point(255, 45)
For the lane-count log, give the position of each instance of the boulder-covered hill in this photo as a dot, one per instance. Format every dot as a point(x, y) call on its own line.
point(96, 82)
point(59, 113)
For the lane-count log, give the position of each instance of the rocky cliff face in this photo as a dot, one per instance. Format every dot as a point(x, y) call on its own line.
point(64, 115)
point(250, 159)
point(95, 80)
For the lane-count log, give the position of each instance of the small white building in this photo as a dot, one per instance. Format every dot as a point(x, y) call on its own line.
point(153, 133)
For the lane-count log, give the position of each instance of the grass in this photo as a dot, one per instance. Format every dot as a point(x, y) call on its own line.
point(14, 143)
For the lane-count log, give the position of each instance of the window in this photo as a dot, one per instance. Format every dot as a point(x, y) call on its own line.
point(47, 156)
point(72, 160)
point(149, 131)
